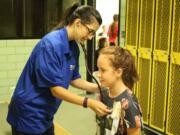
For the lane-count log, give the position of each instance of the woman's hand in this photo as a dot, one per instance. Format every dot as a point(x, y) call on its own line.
point(98, 107)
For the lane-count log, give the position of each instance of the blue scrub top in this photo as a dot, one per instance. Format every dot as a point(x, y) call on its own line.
point(53, 62)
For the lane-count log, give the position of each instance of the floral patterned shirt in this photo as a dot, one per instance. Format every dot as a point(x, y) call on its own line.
point(130, 117)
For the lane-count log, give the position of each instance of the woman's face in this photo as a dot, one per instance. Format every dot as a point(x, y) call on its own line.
point(86, 31)
point(107, 74)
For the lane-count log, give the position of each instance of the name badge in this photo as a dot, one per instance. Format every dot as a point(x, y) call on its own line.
point(72, 67)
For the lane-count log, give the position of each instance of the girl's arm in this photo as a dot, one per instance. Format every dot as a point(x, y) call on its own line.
point(134, 131)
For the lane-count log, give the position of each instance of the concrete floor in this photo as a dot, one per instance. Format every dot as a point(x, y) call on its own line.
point(75, 119)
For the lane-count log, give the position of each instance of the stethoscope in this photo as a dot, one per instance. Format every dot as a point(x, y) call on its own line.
point(85, 55)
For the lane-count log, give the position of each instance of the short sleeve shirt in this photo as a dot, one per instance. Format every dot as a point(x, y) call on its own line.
point(53, 62)
point(113, 36)
point(131, 111)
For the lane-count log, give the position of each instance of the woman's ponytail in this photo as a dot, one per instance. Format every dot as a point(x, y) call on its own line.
point(68, 16)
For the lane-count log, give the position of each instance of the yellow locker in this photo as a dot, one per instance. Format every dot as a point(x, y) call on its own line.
point(145, 47)
point(146, 28)
point(159, 92)
point(144, 85)
point(173, 108)
point(160, 70)
point(132, 22)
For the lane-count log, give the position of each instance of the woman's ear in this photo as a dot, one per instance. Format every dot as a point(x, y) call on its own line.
point(77, 22)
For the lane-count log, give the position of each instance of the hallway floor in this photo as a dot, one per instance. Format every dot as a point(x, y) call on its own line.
point(75, 119)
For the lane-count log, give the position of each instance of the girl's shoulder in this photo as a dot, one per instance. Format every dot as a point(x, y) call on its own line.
point(127, 96)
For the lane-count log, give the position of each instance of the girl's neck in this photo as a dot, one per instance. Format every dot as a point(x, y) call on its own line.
point(117, 89)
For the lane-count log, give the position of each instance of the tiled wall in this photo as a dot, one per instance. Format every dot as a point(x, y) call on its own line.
point(13, 56)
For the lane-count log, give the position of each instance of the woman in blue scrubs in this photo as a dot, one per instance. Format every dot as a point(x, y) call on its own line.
point(52, 66)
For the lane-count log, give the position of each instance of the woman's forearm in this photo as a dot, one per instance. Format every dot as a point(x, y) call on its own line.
point(85, 85)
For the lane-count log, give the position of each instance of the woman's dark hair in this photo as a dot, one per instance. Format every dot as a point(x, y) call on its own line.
point(122, 58)
point(87, 14)
point(101, 43)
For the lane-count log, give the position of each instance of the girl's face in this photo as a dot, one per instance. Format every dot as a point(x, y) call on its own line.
point(107, 74)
